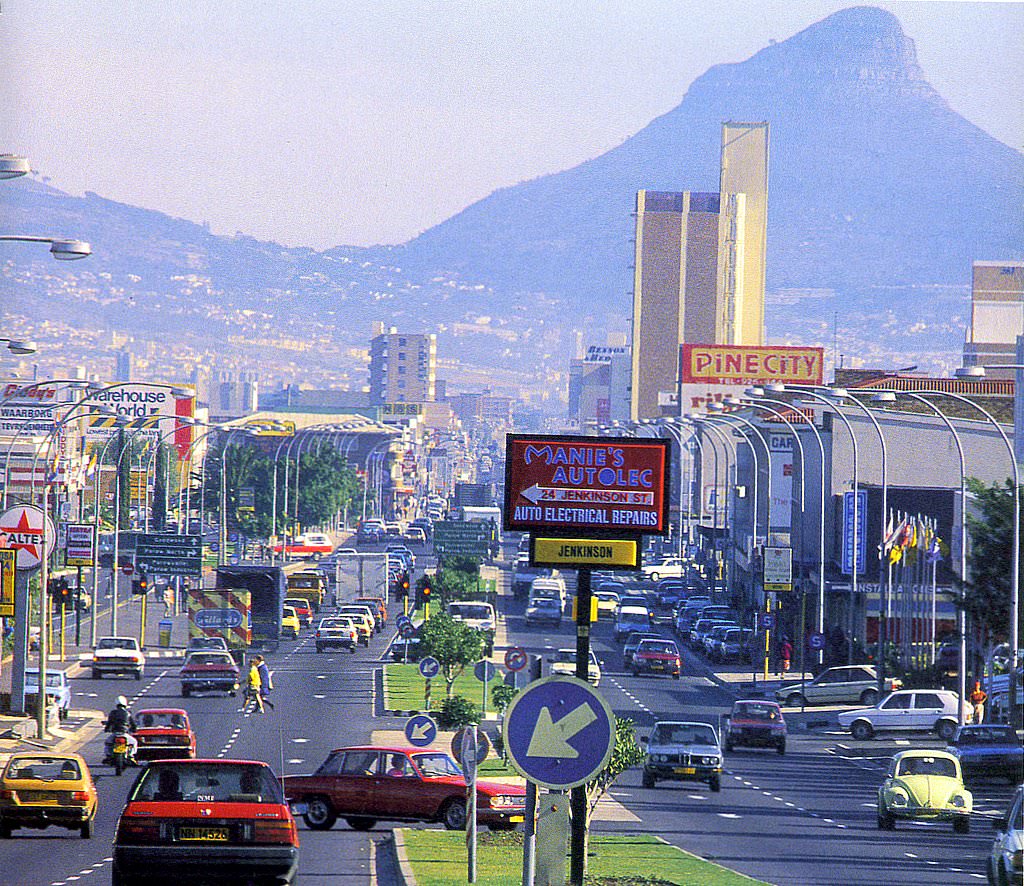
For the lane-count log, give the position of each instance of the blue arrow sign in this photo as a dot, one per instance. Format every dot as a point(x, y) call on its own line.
point(430, 667)
point(218, 618)
point(515, 658)
point(485, 671)
point(420, 730)
point(559, 732)
point(402, 620)
point(406, 629)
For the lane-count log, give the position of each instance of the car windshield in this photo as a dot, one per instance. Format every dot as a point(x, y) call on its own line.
point(683, 733)
point(116, 643)
point(54, 680)
point(207, 783)
point(206, 643)
point(160, 720)
point(987, 735)
point(479, 611)
point(546, 603)
point(44, 768)
point(927, 766)
point(666, 647)
point(753, 710)
point(437, 765)
point(209, 658)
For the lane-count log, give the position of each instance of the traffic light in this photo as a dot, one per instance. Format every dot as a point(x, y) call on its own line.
point(140, 584)
point(60, 591)
point(425, 594)
point(404, 586)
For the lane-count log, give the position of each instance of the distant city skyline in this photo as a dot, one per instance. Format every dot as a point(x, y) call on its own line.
point(321, 124)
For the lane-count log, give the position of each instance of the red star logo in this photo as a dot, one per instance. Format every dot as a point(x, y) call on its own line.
point(22, 530)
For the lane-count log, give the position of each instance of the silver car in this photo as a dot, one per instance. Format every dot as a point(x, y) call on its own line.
point(854, 684)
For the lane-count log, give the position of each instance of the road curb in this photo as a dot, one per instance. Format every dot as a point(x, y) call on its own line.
point(405, 872)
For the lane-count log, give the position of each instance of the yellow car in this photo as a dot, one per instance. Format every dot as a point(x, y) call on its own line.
point(363, 620)
point(289, 623)
point(925, 785)
point(39, 790)
point(607, 603)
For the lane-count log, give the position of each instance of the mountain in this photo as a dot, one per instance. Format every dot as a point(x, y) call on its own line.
point(879, 195)
point(873, 179)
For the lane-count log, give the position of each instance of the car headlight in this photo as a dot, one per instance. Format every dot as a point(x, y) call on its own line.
point(709, 761)
point(899, 797)
point(506, 801)
point(661, 758)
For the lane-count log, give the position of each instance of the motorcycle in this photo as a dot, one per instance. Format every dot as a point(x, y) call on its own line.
point(121, 755)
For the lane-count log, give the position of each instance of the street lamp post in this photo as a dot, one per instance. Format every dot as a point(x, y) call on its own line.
point(60, 249)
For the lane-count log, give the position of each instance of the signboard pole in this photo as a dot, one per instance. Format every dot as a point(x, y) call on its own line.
point(470, 771)
point(20, 640)
point(530, 813)
point(78, 607)
point(578, 796)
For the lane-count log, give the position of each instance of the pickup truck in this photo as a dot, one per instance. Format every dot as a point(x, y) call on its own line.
point(117, 655)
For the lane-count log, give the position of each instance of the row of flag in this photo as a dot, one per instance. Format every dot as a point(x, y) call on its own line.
point(911, 537)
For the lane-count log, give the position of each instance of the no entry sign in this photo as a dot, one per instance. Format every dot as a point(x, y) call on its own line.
point(614, 486)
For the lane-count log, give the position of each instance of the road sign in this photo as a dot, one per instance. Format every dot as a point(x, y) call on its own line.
point(559, 732)
point(778, 569)
point(164, 554)
point(7, 586)
point(30, 532)
point(516, 658)
point(127, 568)
point(816, 640)
point(407, 629)
point(768, 620)
point(218, 618)
point(81, 544)
point(420, 730)
point(861, 532)
point(485, 671)
point(462, 538)
point(401, 620)
point(575, 485)
point(214, 546)
point(235, 559)
point(464, 752)
point(430, 667)
point(603, 553)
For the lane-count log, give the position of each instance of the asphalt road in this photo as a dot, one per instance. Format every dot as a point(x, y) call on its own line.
point(803, 819)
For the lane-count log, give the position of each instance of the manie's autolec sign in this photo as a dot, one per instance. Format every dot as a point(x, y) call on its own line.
point(589, 485)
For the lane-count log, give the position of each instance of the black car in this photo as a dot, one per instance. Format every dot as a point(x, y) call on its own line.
point(989, 750)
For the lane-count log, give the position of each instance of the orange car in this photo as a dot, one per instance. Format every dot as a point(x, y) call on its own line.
point(39, 790)
point(163, 733)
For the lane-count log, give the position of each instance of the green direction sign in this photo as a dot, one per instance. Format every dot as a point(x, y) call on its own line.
point(158, 554)
point(458, 538)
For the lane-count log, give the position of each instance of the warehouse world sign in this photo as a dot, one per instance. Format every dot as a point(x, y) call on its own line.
point(606, 485)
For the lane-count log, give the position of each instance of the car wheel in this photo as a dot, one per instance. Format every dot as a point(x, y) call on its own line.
point(962, 824)
point(319, 648)
point(886, 822)
point(453, 815)
point(62, 714)
point(352, 650)
point(795, 700)
point(649, 780)
point(138, 676)
point(716, 783)
point(86, 829)
point(185, 692)
point(945, 729)
point(675, 676)
point(869, 697)
point(781, 747)
point(319, 814)
point(861, 730)
point(358, 823)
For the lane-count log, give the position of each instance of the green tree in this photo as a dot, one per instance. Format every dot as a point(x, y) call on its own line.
point(453, 643)
point(986, 597)
point(123, 460)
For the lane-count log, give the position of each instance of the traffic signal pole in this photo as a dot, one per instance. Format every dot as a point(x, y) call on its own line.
point(578, 795)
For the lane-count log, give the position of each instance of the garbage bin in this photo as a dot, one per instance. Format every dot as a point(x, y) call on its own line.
point(165, 631)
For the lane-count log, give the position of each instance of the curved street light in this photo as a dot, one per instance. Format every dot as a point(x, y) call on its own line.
point(20, 347)
point(13, 166)
point(60, 248)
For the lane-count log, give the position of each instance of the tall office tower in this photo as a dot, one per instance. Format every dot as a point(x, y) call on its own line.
point(403, 368)
point(676, 291)
point(744, 172)
point(124, 365)
point(997, 315)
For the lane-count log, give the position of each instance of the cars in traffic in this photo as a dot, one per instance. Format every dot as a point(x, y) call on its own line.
point(679, 750)
point(336, 632)
point(303, 609)
point(543, 611)
point(377, 606)
point(562, 663)
point(477, 615)
point(630, 619)
point(989, 750)
point(192, 821)
point(290, 622)
point(367, 784)
point(364, 620)
point(58, 690)
point(41, 790)
point(209, 672)
point(1005, 863)
point(731, 645)
point(755, 723)
point(924, 785)
point(908, 710)
point(312, 546)
point(117, 655)
point(847, 684)
point(670, 566)
point(163, 733)
point(199, 644)
point(632, 644)
point(607, 603)
point(656, 656)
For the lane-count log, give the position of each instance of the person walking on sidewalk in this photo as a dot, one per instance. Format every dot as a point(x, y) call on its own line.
point(978, 698)
point(266, 681)
point(252, 689)
point(786, 653)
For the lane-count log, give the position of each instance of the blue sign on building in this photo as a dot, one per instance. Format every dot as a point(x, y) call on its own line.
point(848, 533)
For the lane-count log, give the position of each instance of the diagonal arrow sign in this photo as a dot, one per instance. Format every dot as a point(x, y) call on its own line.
point(421, 730)
point(552, 739)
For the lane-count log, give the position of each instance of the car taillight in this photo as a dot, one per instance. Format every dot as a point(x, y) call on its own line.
point(318, 632)
point(134, 830)
point(6, 795)
point(79, 796)
point(278, 831)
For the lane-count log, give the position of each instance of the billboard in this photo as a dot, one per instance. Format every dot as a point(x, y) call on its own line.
point(27, 409)
point(565, 484)
point(747, 365)
point(140, 400)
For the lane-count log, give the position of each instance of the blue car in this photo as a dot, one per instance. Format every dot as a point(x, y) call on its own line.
point(669, 592)
point(989, 750)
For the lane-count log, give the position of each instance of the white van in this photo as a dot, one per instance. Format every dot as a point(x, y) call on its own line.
point(476, 614)
point(548, 586)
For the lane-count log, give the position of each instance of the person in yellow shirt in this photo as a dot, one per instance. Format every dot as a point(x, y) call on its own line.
point(255, 684)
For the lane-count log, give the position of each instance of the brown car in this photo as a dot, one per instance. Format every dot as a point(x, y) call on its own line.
point(365, 785)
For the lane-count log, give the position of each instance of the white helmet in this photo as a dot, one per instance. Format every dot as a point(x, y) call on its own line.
point(122, 702)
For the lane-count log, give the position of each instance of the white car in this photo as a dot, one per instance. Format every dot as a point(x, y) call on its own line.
point(629, 619)
point(117, 655)
point(58, 691)
point(1004, 862)
point(671, 567)
point(908, 710)
point(563, 664)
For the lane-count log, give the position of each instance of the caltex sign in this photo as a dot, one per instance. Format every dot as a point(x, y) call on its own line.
point(30, 533)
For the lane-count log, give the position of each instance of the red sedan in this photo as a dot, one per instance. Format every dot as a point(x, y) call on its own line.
point(163, 733)
point(364, 785)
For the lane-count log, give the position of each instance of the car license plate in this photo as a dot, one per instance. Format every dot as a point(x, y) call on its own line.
point(299, 808)
point(210, 835)
point(37, 796)
point(657, 666)
point(516, 819)
point(685, 770)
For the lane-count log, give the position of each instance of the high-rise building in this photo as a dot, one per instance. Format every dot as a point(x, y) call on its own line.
point(997, 315)
point(403, 367)
point(699, 268)
point(124, 365)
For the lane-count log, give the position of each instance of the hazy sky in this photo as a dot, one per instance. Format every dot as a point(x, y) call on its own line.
point(325, 123)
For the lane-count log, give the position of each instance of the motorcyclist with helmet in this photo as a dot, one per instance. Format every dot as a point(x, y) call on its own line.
point(119, 722)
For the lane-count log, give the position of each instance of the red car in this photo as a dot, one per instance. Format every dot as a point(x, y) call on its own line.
point(163, 733)
point(209, 671)
point(303, 609)
point(205, 821)
point(755, 723)
point(656, 657)
point(366, 784)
